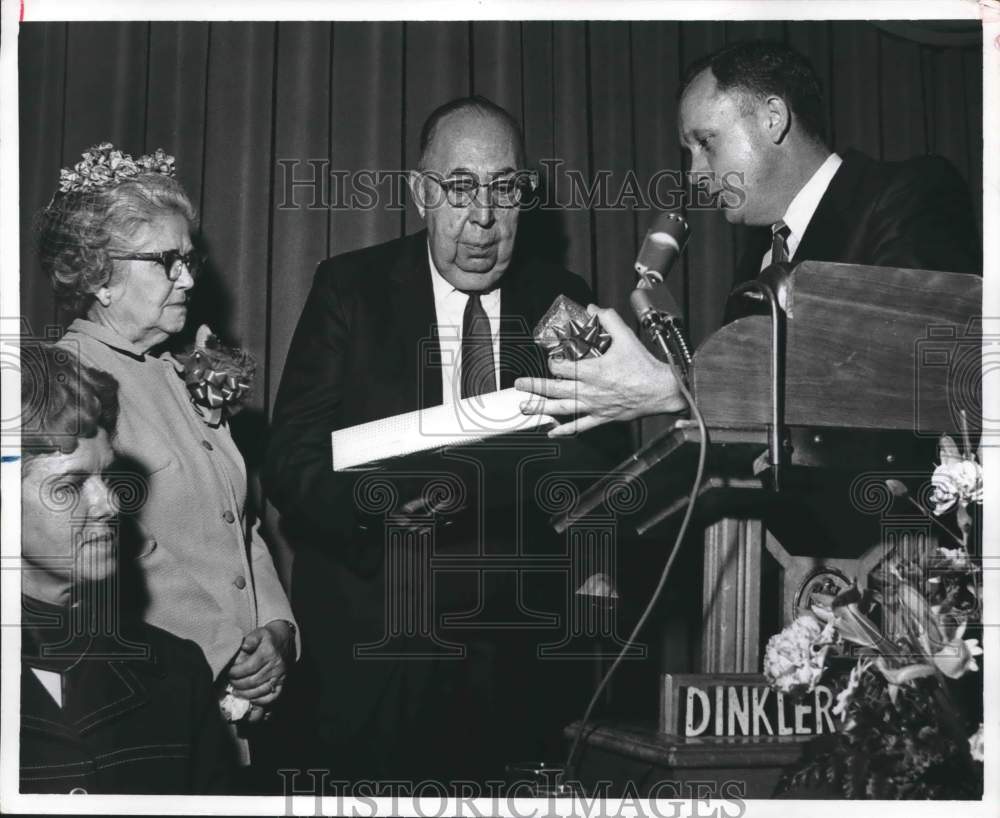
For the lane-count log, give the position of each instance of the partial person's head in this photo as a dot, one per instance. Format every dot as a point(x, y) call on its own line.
point(115, 242)
point(468, 188)
point(68, 417)
point(751, 115)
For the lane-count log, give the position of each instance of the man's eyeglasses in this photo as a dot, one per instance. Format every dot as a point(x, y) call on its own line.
point(174, 262)
point(505, 192)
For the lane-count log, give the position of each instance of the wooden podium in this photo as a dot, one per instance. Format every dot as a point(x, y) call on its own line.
point(877, 363)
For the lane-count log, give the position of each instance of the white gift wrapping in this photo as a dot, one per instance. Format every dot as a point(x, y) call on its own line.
point(453, 424)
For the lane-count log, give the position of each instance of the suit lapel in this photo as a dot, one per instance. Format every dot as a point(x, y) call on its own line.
point(97, 691)
point(413, 326)
point(519, 354)
point(824, 239)
point(758, 242)
point(106, 690)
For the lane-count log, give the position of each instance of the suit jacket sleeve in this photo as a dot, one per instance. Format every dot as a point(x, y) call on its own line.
point(298, 473)
point(272, 602)
point(924, 220)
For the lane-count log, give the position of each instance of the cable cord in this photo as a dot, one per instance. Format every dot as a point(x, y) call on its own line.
point(575, 750)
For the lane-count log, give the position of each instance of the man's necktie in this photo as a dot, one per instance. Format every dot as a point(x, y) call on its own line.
point(478, 369)
point(779, 246)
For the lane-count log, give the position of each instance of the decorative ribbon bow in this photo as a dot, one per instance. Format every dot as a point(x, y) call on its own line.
point(577, 341)
point(213, 389)
point(217, 377)
point(567, 330)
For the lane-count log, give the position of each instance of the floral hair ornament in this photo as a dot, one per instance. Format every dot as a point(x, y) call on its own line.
point(218, 377)
point(104, 166)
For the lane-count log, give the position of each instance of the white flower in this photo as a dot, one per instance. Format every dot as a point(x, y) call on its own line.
point(956, 481)
point(957, 656)
point(957, 558)
point(233, 707)
point(976, 746)
point(845, 695)
point(794, 658)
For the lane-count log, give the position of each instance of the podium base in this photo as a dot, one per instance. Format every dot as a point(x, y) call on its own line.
point(627, 760)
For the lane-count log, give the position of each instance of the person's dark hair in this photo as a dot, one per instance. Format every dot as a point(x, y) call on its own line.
point(761, 68)
point(477, 103)
point(62, 401)
point(78, 230)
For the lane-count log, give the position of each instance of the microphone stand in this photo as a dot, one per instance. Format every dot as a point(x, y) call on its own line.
point(771, 286)
point(663, 329)
point(661, 325)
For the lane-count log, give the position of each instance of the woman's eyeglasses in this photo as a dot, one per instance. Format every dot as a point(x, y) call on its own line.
point(505, 192)
point(174, 262)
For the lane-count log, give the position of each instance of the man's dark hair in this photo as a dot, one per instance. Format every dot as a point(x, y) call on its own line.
point(761, 68)
point(476, 103)
point(62, 401)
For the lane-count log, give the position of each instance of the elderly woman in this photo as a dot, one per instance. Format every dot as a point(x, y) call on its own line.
point(116, 244)
point(108, 704)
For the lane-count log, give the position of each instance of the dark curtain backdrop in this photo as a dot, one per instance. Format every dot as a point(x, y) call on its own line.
point(232, 100)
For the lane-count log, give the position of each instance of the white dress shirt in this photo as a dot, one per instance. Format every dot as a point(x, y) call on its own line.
point(52, 682)
point(449, 307)
point(803, 206)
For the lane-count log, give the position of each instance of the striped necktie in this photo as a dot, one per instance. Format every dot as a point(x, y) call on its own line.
point(779, 245)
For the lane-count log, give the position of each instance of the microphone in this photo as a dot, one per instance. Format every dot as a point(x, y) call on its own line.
point(652, 303)
point(663, 243)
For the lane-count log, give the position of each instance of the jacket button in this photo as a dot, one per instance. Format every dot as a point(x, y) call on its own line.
point(240, 582)
point(78, 791)
point(228, 516)
point(207, 445)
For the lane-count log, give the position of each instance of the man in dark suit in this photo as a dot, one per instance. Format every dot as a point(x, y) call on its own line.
point(751, 119)
point(419, 321)
point(915, 214)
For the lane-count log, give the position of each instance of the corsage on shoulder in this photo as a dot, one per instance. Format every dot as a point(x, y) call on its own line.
point(218, 377)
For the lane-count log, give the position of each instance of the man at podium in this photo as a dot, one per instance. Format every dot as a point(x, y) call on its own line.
point(753, 111)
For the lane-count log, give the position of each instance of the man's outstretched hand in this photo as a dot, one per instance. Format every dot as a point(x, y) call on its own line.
point(626, 382)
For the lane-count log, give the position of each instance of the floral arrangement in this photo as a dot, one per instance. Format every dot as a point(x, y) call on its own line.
point(104, 165)
point(218, 377)
point(902, 731)
point(795, 658)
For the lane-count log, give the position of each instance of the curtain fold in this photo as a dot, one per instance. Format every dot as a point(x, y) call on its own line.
point(268, 121)
point(303, 146)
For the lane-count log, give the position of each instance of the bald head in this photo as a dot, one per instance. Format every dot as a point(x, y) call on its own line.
point(495, 118)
